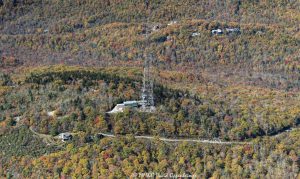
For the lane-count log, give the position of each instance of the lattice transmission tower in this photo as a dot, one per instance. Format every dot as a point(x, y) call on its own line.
point(147, 90)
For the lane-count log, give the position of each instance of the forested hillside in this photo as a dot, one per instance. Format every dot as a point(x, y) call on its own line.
point(57, 99)
point(223, 71)
point(27, 15)
point(264, 53)
point(127, 156)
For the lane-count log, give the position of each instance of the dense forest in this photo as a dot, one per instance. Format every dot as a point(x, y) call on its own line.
point(112, 158)
point(223, 71)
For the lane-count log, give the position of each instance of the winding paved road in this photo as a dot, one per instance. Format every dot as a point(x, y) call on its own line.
point(173, 139)
point(184, 140)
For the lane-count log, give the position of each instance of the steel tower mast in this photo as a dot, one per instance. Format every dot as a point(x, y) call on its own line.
point(147, 90)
